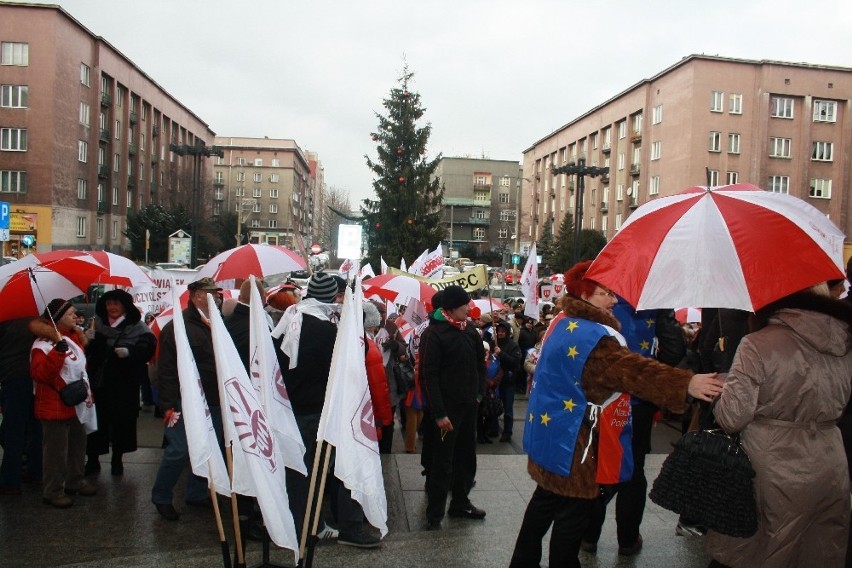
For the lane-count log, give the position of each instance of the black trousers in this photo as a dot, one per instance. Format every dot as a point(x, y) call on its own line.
point(630, 495)
point(569, 517)
point(452, 461)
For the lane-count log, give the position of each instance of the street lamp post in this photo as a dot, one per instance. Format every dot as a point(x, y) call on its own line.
point(581, 171)
point(517, 252)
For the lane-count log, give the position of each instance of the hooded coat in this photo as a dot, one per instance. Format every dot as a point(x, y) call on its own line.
point(786, 389)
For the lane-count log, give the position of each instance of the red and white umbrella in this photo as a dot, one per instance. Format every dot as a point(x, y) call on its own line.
point(487, 306)
point(245, 260)
point(733, 246)
point(398, 288)
point(688, 315)
point(120, 270)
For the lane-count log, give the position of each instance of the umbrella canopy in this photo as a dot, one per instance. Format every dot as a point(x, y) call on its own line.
point(486, 306)
point(688, 315)
point(120, 271)
point(245, 260)
point(733, 246)
point(398, 288)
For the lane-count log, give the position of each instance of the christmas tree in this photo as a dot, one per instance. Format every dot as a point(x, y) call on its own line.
point(591, 243)
point(405, 217)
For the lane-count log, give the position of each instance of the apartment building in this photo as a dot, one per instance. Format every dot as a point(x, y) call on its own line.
point(85, 135)
point(782, 126)
point(270, 184)
point(481, 203)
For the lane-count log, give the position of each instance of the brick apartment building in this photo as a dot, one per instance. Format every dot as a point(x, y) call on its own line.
point(785, 127)
point(84, 134)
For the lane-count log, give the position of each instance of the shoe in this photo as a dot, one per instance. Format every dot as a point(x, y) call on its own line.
point(506, 438)
point(590, 547)
point(7, 490)
point(117, 469)
point(468, 512)
point(199, 503)
point(689, 530)
point(167, 511)
point(61, 502)
point(433, 526)
point(85, 490)
point(631, 550)
point(360, 540)
point(327, 533)
point(93, 466)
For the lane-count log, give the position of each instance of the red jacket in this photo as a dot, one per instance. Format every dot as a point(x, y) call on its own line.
point(44, 369)
point(378, 382)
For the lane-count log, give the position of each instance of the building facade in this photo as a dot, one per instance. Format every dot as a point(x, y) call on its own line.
point(85, 135)
point(270, 184)
point(481, 203)
point(785, 127)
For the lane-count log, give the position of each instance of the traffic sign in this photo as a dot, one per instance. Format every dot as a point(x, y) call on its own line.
point(28, 240)
point(4, 234)
point(5, 215)
point(316, 248)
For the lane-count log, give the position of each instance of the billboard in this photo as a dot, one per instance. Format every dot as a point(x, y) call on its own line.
point(349, 241)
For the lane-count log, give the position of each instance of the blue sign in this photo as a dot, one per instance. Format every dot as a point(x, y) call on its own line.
point(28, 240)
point(4, 214)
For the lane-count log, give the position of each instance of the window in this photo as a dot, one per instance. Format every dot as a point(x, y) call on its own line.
point(621, 161)
point(504, 181)
point(714, 177)
point(84, 74)
point(241, 161)
point(276, 163)
point(258, 162)
point(779, 147)
point(218, 177)
point(654, 185)
point(273, 193)
point(622, 129)
point(241, 176)
point(717, 99)
point(258, 177)
point(603, 224)
point(119, 96)
point(735, 103)
point(507, 215)
point(217, 208)
point(637, 157)
point(617, 221)
point(825, 111)
point(732, 178)
point(656, 148)
point(82, 189)
point(820, 188)
point(255, 208)
point(619, 192)
point(273, 223)
point(480, 214)
point(116, 163)
point(13, 139)
point(129, 201)
point(479, 234)
point(503, 197)
point(781, 107)
point(273, 208)
point(657, 114)
point(144, 112)
point(84, 114)
point(81, 227)
point(779, 184)
point(115, 196)
point(274, 178)
point(82, 151)
point(715, 142)
point(218, 193)
point(607, 138)
point(240, 192)
point(100, 193)
point(255, 192)
point(115, 229)
point(14, 96)
point(255, 223)
point(637, 123)
point(733, 143)
point(118, 130)
point(479, 180)
point(101, 155)
point(14, 53)
point(13, 182)
point(605, 197)
point(503, 233)
point(99, 224)
point(822, 151)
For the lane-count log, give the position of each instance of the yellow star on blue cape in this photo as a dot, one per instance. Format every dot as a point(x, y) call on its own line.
point(569, 404)
point(572, 352)
point(545, 418)
point(649, 322)
point(572, 325)
point(644, 345)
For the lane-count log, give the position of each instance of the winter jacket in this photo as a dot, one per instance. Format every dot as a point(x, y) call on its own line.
point(16, 340)
point(610, 368)
point(307, 381)
point(238, 325)
point(511, 358)
point(201, 344)
point(451, 365)
point(787, 387)
point(45, 368)
point(378, 382)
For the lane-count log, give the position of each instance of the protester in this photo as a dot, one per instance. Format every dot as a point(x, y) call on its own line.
point(238, 323)
point(21, 431)
point(58, 359)
point(118, 353)
point(415, 404)
point(452, 373)
point(493, 376)
point(531, 360)
point(784, 393)
point(278, 301)
point(509, 354)
point(582, 360)
point(196, 318)
point(377, 379)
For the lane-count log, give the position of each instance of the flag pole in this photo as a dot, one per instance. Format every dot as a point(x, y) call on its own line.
point(226, 553)
point(235, 514)
point(311, 518)
point(309, 560)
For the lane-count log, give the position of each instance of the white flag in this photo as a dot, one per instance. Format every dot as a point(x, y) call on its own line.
point(347, 420)
point(529, 284)
point(383, 266)
point(204, 453)
point(269, 383)
point(429, 264)
point(367, 270)
point(257, 470)
point(402, 265)
point(415, 312)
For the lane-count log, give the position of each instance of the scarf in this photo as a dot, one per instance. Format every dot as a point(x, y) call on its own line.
point(129, 334)
point(444, 315)
point(290, 324)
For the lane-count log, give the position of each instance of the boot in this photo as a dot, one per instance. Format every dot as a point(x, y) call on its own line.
point(93, 466)
point(117, 468)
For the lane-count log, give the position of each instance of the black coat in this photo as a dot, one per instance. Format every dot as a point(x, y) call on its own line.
point(452, 366)
point(306, 382)
point(201, 343)
point(238, 325)
point(16, 341)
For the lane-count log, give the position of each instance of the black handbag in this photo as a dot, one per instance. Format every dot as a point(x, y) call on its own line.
point(491, 406)
point(708, 478)
point(74, 393)
point(403, 373)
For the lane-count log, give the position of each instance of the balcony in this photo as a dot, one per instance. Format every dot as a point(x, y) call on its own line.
point(132, 149)
point(479, 221)
point(218, 182)
point(106, 100)
point(134, 117)
point(153, 187)
point(104, 136)
point(604, 207)
point(131, 182)
point(154, 159)
point(635, 136)
point(607, 148)
point(155, 131)
point(605, 178)
point(633, 203)
point(103, 208)
point(103, 171)
point(481, 186)
point(634, 169)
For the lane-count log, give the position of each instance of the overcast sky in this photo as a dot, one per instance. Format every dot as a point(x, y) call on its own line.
point(494, 75)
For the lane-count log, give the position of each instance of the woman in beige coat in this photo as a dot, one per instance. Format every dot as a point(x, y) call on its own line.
point(788, 385)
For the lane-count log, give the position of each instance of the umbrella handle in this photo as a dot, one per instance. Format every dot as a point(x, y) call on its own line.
point(49, 315)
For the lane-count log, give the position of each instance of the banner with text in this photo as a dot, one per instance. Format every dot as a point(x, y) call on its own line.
point(471, 280)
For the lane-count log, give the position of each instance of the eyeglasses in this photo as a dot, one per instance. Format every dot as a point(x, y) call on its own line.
point(610, 294)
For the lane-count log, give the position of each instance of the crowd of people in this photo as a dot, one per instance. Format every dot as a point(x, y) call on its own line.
point(596, 373)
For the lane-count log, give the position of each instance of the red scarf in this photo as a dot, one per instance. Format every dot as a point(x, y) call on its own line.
point(460, 324)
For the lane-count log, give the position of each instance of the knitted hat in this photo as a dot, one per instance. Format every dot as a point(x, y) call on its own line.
point(56, 309)
point(322, 287)
point(372, 318)
point(437, 300)
point(454, 296)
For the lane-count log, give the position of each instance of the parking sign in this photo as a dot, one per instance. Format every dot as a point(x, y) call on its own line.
point(4, 220)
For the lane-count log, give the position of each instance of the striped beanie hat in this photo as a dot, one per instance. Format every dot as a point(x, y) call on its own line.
point(322, 287)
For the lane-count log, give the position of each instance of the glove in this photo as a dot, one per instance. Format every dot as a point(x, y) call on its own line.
point(122, 352)
point(61, 346)
point(171, 418)
point(90, 334)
